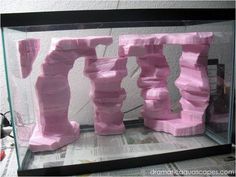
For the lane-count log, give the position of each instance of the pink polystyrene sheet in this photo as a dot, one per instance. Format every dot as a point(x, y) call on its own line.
point(28, 51)
point(159, 93)
point(196, 50)
point(156, 104)
point(108, 107)
point(193, 116)
point(193, 80)
point(104, 64)
point(104, 125)
point(80, 43)
point(149, 83)
point(201, 97)
point(56, 69)
point(154, 74)
point(105, 94)
point(108, 76)
point(102, 86)
point(176, 127)
point(159, 115)
point(154, 60)
point(193, 105)
point(134, 45)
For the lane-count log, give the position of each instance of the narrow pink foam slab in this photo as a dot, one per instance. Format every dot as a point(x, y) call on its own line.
point(193, 105)
point(105, 69)
point(161, 114)
point(108, 107)
point(151, 73)
point(103, 86)
point(134, 45)
point(193, 115)
point(198, 96)
point(149, 83)
point(104, 64)
point(108, 97)
point(106, 94)
point(104, 129)
point(155, 105)
point(68, 56)
point(196, 50)
point(176, 127)
point(191, 61)
point(40, 142)
point(28, 51)
point(81, 43)
point(52, 69)
point(193, 80)
point(109, 123)
point(107, 76)
point(154, 60)
point(160, 93)
point(109, 100)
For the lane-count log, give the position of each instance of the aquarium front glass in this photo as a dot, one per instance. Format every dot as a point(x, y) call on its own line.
point(80, 95)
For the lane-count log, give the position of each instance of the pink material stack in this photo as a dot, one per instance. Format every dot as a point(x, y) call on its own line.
point(28, 51)
point(53, 128)
point(193, 80)
point(106, 75)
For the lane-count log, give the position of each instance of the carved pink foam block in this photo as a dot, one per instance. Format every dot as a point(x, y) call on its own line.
point(53, 129)
point(106, 75)
point(28, 51)
point(153, 82)
point(193, 80)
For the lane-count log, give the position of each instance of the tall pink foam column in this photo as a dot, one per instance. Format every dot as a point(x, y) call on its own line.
point(28, 50)
point(53, 128)
point(195, 91)
point(153, 82)
point(193, 84)
point(193, 80)
point(106, 75)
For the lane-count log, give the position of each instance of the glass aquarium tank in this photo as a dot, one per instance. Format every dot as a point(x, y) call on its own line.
point(100, 90)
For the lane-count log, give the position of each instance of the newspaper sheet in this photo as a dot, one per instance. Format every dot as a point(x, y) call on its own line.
point(134, 142)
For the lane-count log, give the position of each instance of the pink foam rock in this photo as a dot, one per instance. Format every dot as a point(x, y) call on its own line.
point(106, 75)
point(133, 45)
point(193, 81)
point(176, 127)
point(28, 51)
point(154, 85)
point(53, 128)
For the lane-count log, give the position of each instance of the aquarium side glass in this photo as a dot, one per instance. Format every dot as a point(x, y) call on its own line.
point(220, 72)
point(16, 90)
